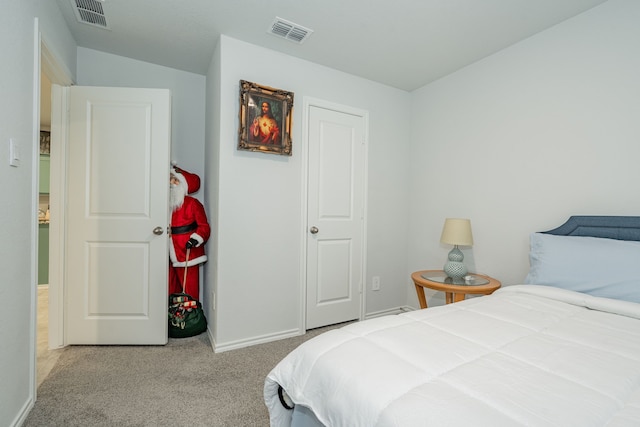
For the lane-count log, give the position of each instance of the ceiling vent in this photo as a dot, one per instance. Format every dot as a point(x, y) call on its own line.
point(90, 12)
point(288, 30)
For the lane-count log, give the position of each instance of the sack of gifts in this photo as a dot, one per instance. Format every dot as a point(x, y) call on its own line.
point(186, 317)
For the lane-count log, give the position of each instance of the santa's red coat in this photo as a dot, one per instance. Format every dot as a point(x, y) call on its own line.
point(190, 212)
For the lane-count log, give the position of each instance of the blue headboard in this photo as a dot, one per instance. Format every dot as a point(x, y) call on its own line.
point(610, 227)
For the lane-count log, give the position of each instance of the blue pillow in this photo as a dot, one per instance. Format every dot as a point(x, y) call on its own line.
point(601, 267)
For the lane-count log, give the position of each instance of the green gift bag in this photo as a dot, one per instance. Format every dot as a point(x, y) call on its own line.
point(186, 317)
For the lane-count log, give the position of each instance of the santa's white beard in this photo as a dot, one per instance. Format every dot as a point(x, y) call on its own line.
point(176, 196)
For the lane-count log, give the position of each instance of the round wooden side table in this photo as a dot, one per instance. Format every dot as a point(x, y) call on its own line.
point(454, 289)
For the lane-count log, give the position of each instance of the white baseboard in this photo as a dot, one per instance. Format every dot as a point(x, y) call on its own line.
point(21, 417)
point(233, 345)
point(391, 311)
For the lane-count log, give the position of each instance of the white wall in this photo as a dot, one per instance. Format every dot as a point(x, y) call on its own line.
point(19, 197)
point(520, 141)
point(212, 187)
point(187, 98)
point(258, 273)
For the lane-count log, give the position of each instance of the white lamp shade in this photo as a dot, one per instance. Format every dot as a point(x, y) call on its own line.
point(457, 231)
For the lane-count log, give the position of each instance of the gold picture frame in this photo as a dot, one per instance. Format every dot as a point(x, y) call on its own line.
point(265, 119)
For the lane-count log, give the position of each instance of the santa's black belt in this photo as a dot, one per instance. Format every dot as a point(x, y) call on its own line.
point(184, 229)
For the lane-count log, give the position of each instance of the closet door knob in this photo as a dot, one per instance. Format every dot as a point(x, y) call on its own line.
point(314, 230)
point(158, 231)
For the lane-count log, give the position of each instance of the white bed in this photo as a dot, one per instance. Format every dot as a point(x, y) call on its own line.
point(540, 354)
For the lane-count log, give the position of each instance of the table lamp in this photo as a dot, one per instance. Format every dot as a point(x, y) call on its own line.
point(456, 232)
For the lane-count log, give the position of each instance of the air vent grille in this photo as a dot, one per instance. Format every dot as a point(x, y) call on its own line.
point(288, 30)
point(90, 12)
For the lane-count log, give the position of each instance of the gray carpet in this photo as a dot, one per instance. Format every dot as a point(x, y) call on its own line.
point(181, 384)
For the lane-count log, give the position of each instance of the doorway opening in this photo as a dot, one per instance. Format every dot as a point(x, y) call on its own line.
point(48, 330)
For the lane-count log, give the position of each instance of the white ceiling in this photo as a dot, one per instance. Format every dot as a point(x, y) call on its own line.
point(401, 43)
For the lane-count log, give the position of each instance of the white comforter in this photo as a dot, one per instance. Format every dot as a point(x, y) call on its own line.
point(527, 355)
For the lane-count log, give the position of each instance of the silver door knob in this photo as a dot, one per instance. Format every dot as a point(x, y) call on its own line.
point(158, 230)
point(314, 230)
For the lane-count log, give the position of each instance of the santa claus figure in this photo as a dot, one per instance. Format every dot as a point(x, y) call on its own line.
point(189, 230)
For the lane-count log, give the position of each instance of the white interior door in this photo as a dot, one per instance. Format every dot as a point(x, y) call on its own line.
point(335, 252)
point(117, 216)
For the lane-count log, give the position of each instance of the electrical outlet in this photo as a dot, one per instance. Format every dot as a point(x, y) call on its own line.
point(375, 283)
point(14, 153)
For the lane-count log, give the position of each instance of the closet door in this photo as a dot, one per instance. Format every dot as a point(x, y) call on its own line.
point(335, 217)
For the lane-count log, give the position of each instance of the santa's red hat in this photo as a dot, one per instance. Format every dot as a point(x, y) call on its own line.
point(191, 180)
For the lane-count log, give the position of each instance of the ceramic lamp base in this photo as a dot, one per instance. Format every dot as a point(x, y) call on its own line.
point(455, 268)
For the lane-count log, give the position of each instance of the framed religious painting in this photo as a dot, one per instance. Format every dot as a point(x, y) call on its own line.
point(265, 119)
